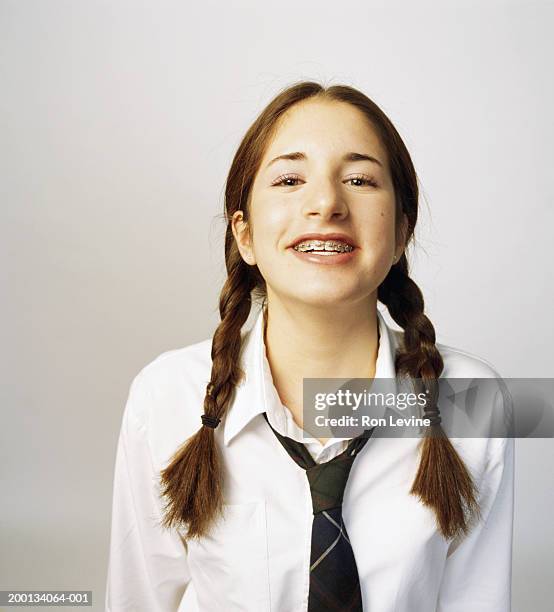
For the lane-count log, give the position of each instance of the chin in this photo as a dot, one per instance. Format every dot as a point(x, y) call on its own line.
point(325, 299)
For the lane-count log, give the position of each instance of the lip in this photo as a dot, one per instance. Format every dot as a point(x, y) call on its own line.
point(326, 260)
point(318, 236)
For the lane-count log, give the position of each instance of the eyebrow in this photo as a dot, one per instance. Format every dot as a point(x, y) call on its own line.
point(352, 157)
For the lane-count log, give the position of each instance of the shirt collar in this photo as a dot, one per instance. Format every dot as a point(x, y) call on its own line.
point(256, 393)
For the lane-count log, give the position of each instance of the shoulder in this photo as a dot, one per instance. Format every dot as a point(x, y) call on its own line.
point(482, 396)
point(477, 391)
point(166, 397)
point(177, 366)
point(460, 363)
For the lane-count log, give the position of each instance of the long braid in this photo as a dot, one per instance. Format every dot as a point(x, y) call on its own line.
point(442, 482)
point(192, 482)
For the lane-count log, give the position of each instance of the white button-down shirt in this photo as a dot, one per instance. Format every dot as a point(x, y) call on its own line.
point(257, 559)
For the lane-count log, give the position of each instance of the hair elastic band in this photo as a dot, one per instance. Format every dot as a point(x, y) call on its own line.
point(434, 417)
point(210, 421)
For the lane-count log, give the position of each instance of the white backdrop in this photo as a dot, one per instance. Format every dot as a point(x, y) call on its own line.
point(119, 122)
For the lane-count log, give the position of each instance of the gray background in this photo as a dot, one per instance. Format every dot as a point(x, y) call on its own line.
point(119, 122)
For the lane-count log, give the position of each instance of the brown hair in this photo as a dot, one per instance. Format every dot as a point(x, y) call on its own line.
point(192, 482)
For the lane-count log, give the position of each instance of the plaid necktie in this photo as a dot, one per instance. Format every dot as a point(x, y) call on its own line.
point(334, 580)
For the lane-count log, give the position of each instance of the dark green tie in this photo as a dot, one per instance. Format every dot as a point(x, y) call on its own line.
point(334, 580)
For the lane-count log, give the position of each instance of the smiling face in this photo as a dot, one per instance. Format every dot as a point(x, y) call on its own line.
point(323, 189)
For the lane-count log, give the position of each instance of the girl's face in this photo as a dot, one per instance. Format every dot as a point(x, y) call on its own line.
point(323, 189)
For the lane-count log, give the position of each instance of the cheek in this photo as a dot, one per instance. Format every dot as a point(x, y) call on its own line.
point(271, 225)
point(376, 224)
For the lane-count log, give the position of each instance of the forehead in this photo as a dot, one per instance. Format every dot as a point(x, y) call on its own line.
point(322, 128)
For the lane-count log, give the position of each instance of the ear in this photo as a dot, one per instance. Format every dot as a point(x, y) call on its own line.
point(243, 238)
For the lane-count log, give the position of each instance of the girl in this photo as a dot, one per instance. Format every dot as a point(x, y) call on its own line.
point(217, 482)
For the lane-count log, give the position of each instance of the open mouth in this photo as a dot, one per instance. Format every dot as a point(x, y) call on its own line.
point(324, 253)
point(323, 247)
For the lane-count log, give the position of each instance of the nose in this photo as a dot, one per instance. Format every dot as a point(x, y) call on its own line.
point(325, 201)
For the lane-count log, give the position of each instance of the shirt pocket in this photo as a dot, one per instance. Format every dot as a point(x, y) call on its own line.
point(231, 562)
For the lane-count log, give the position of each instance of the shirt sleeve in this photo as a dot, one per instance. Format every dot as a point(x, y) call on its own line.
point(147, 567)
point(478, 569)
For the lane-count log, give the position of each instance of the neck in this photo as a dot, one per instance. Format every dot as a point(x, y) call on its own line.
point(319, 342)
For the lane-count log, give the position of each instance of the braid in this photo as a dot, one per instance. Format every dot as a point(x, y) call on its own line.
point(192, 482)
point(442, 482)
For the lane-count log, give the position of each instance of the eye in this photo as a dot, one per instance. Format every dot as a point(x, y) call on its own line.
point(285, 177)
point(365, 180)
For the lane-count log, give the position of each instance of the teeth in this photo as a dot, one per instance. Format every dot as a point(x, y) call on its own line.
point(323, 245)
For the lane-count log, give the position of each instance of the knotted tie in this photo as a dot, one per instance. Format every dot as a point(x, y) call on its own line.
point(334, 580)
